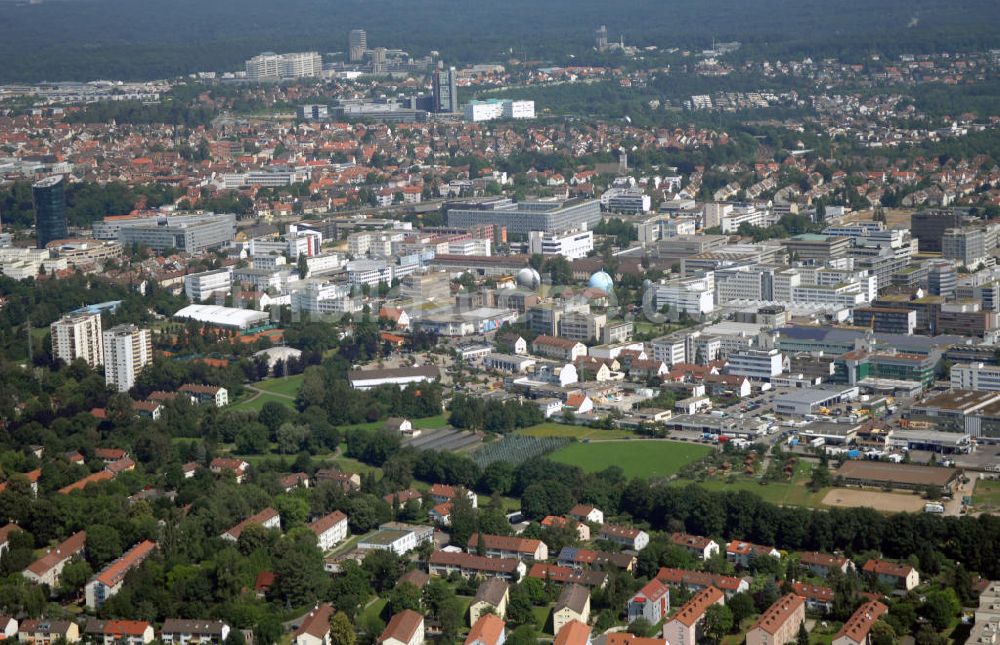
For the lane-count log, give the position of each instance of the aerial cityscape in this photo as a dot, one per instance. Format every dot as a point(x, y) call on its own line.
point(397, 323)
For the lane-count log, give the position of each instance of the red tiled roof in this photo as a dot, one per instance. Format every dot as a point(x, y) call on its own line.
point(402, 626)
point(488, 630)
point(94, 478)
point(327, 522)
point(698, 578)
point(860, 623)
point(115, 572)
point(775, 616)
point(317, 622)
point(692, 611)
point(64, 550)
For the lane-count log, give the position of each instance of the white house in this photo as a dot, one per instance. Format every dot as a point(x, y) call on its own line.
point(330, 530)
point(405, 628)
point(315, 627)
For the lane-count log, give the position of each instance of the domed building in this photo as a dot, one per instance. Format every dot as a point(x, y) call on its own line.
point(528, 278)
point(601, 280)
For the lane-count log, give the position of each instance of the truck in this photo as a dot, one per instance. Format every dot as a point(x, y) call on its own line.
point(933, 507)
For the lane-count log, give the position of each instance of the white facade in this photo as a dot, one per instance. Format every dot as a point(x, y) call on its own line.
point(669, 351)
point(571, 245)
point(755, 363)
point(320, 298)
point(200, 286)
point(694, 296)
point(127, 349)
point(477, 111)
point(976, 376)
point(273, 67)
point(78, 336)
point(370, 272)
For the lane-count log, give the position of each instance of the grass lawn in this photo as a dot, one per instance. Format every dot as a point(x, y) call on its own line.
point(646, 458)
point(987, 493)
point(430, 423)
point(255, 404)
point(542, 619)
point(354, 466)
point(375, 609)
point(574, 432)
point(794, 493)
point(288, 385)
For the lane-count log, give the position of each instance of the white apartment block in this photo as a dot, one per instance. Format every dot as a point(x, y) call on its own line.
point(274, 67)
point(201, 286)
point(78, 336)
point(693, 296)
point(477, 111)
point(477, 247)
point(571, 245)
point(320, 298)
point(756, 364)
point(742, 214)
point(370, 272)
point(268, 262)
point(975, 376)
point(127, 349)
point(670, 351)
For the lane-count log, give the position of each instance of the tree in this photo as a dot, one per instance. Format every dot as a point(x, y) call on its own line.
point(405, 596)
point(882, 633)
point(351, 589)
point(383, 567)
point(940, 607)
point(104, 544)
point(741, 604)
point(341, 630)
point(272, 414)
point(802, 638)
point(303, 266)
point(718, 622)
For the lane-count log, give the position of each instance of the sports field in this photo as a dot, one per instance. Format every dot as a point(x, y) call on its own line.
point(880, 501)
point(638, 458)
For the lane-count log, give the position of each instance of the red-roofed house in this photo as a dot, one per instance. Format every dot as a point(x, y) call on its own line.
point(587, 513)
point(405, 628)
point(504, 546)
point(740, 553)
point(315, 627)
point(48, 568)
point(573, 633)
point(330, 530)
point(684, 628)
point(779, 624)
point(821, 564)
point(817, 598)
point(119, 632)
point(443, 493)
point(109, 581)
point(698, 580)
point(858, 627)
point(267, 518)
point(627, 536)
point(897, 576)
point(488, 630)
point(702, 547)
point(652, 602)
point(236, 467)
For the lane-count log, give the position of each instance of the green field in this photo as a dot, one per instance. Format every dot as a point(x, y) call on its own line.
point(430, 423)
point(255, 404)
point(640, 458)
point(987, 493)
point(794, 493)
point(574, 432)
point(289, 385)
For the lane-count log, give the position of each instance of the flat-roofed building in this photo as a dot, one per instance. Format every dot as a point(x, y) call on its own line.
point(948, 443)
point(976, 376)
point(876, 474)
point(886, 319)
point(78, 336)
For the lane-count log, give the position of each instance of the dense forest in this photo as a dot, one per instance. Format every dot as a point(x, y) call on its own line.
point(87, 39)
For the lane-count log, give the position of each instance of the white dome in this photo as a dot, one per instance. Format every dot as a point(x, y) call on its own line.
point(528, 278)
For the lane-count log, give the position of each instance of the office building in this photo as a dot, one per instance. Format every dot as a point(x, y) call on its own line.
point(888, 320)
point(819, 248)
point(445, 90)
point(201, 286)
point(929, 227)
point(976, 376)
point(520, 218)
point(691, 296)
point(489, 110)
point(190, 234)
point(275, 67)
point(78, 336)
point(571, 245)
point(966, 246)
point(622, 199)
point(357, 44)
point(942, 279)
point(127, 349)
point(50, 210)
point(756, 364)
